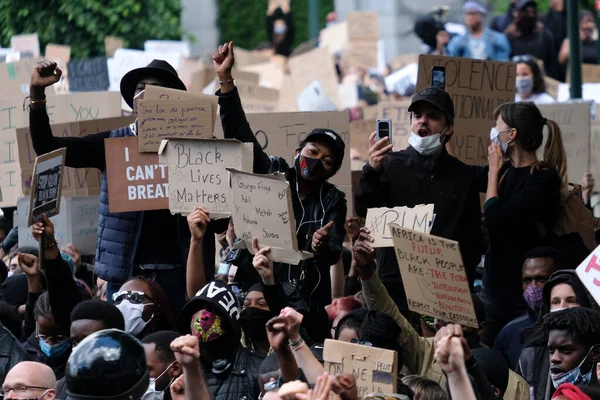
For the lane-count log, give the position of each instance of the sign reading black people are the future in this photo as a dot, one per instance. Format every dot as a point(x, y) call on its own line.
point(477, 88)
point(47, 185)
point(433, 276)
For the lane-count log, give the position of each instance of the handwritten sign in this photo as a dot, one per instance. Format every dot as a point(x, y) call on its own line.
point(280, 134)
point(77, 223)
point(163, 119)
point(47, 184)
point(434, 276)
point(589, 273)
point(136, 181)
point(375, 369)
point(397, 111)
point(90, 75)
point(419, 218)
point(26, 44)
point(477, 88)
point(574, 120)
point(262, 209)
point(198, 173)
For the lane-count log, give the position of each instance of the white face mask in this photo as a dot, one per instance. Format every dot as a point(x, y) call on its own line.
point(426, 146)
point(558, 309)
point(573, 376)
point(132, 313)
point(495, 138)
point(152, 393)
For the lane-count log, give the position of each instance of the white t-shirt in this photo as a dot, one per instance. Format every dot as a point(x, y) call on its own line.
point(537, 98)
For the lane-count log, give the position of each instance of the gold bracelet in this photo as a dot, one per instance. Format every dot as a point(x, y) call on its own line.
point(32, 101)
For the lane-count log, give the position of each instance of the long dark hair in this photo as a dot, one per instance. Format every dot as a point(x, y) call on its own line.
point(539, 86)
point(527, 119)
point(163, 319)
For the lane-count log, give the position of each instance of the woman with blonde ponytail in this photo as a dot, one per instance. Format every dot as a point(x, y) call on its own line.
point(523, 194)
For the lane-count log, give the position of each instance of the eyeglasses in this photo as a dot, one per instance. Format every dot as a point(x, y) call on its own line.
point(361, 342)
point(20, 390)
point(523, 58)
point(133, 296)
point(50, 338)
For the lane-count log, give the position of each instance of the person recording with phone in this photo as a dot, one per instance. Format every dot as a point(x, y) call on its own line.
point(319, 206)
point(423, 173)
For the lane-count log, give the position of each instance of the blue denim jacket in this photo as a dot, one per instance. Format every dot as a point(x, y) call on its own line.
point(497, 47)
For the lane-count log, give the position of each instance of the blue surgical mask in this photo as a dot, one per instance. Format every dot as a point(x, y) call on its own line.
point(573, 376)
point(279, 29)
point(524, 85)
point(495, 138)
point(55, 351)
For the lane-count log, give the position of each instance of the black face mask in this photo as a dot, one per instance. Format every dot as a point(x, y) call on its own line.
point(527, 24)
point(254, 321)
point(310, 169)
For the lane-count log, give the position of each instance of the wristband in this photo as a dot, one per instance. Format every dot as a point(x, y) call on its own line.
point(228, 81)
point(50, 244)
point(295, 345)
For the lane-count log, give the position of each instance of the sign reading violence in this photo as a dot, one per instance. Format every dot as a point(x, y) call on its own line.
point(136, 181)
point(433, 276)
point(262, 209)
point(477, 88)
point(419, 218)
point(375, 369)
point(47, 184)
point(198, 173)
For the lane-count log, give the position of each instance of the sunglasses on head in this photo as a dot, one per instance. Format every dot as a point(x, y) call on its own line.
point(523, 58)
point(134, 297)
point(361, 342)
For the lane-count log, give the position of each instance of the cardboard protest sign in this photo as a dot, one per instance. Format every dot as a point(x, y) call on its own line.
point(77, 223)
point(303, 72)
point(257, 99)
point(361, 54)
point(363, 25)
point(245, 57)
point(262, 209)
point(403, 60)
point(589, 273)
point(280, 134)
point(112, 44)
point(76, 181)
point(314, 98)
point(590, 73)
point(270, 73)
point(123, 61)
point(433, 275)
point(397, 111)
point(574, 120)
point(181, 47)
point(477, 88)
point(595, 143)
point(375, 369)
point(136, 181)
point(90, 75)
point(359, 136)
point(163, 119)
point(15, 78)
point(46, 185)
point(348, 95)
point(334, 37)
point(287, 98)
point(28, 44)
point(418, 218)
point(60, 54)
point(198, 173)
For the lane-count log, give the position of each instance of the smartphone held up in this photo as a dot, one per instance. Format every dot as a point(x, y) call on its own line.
point(384, 129)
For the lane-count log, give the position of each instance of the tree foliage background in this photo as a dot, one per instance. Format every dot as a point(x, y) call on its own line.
point(500, 6)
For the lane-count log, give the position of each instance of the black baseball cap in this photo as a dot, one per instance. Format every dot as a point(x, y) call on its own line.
point(437, 97)
point(332, 138)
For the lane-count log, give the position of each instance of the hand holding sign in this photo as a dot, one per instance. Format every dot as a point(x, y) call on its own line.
point(321, 237)
point(45, 73)
point(198, 221)
point(262, 264)
point(378, 151)
point(45, 227)
point(364, 254)
point(28, 264)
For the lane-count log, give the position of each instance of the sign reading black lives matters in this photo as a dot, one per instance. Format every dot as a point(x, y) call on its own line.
point(46, 185)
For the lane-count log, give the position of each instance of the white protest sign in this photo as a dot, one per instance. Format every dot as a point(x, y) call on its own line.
point(180, 47)
point(198, 173)
point(589, 274)
point(419, 218)
point(349, 95)
point(314, 98)
point(434, 276)
point(61, 225)
point(262, 209)
point(400, 80)
point(26, 44)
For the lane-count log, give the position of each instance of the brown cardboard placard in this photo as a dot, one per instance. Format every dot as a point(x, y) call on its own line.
point(60, 54)
point(163, 93)
point(257, 99)
point(165, 119)
point(590, 73)
point(434, 276)
point(136, 181)
point(112, 44)
point(270, 73)
point(335, 37)
point(551, 86)
point(262, 209)
point(76, 181)
point(375, 369)
point(287, 98)
point(574, 120)
point(418, 218)
point(198, 173)
point(303, 72)
point(245, 57)
point(397, 111)
point(360, 131)
point(363, 25)
point(28, 43)
point(16, 76)
point(403, 60)
point(361, 54)
point(47, 184)
point(280, 134)
point(477, 88)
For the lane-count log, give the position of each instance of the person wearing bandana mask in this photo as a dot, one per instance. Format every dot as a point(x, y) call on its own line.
point(527, 36)
point(540, 263)
point(213, 316)
point(162, 366)
point(423, 173)
point(319, 207)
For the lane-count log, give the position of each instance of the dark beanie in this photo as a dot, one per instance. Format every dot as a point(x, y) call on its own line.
point(15, 290)
point(381, 330)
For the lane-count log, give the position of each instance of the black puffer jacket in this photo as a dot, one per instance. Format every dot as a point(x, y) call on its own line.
point(239, 383)
point(11, 352)
point(328, 203)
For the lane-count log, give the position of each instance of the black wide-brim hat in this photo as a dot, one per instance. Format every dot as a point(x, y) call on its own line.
point(158, 69)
